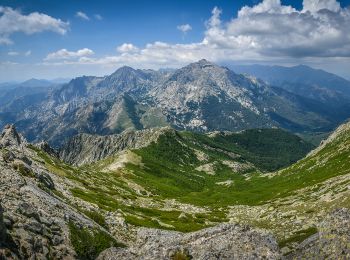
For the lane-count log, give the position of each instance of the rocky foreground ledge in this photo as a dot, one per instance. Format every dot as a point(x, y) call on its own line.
point(230, 241)
point(225, 241)
point(35, 223)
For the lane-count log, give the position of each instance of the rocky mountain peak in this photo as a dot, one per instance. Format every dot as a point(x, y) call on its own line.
point(202, 70)
point(124, 79)
point(123, 72)
point(203, 63)
point(10, 137)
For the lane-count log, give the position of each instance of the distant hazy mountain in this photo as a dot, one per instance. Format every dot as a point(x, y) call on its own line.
point(60, 80)
point(199, 97)
point(33, 83)
point(25, 93)
point(292, 77)
point(297, 74)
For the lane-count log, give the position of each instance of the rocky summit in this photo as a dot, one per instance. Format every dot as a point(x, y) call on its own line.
point(115, 197)
point(201, 97)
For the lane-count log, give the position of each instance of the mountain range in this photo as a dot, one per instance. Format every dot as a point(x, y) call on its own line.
point(201, 162)
point(301, 74)
point(200, 97)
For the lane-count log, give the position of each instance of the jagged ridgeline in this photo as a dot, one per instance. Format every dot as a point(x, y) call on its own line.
point(264, 149)
point(201, 97)
point(175, 181)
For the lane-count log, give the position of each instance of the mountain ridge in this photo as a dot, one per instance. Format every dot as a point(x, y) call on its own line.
point(201, 96)
point(86, 149)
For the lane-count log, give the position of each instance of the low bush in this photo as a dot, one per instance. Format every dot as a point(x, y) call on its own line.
point(88, 244)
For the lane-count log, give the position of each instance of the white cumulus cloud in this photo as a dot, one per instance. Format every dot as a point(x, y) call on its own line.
point(82, 15)
point(184, 28)
point(317, 5)
point(127, 47)
point(321, 29)
point(266, 31)
point(12, 21)
point(64, 54)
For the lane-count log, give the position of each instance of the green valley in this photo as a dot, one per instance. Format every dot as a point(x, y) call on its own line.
point(186, 181)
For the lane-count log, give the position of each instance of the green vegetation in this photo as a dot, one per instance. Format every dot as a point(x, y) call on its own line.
point(146, 217)
point(169, 171)
point(138, 116)
point(181, 255)
point(314, 138)
point(171, 168)
point(88, 244)
point(96, 216)
point(298, 237)
point(22, 169)
point(6, 155)
point(267, 149)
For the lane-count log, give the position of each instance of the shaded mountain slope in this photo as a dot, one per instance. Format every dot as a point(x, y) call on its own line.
point(267, 149)
point(200, 97)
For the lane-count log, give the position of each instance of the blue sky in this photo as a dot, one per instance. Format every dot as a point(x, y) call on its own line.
point(52, 39)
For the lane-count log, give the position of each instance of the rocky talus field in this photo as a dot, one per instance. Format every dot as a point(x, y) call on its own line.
point(167, 194)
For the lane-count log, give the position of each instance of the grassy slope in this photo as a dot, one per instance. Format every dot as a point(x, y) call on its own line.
point(168, 171)
point(170, 166)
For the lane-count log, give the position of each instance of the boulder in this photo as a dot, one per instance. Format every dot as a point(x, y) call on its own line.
point(28, 210)
point(45, 179)
point(225, 241)
point(331, 242)
point(10, 137)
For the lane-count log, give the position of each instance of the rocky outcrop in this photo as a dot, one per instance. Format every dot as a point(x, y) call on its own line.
point(331, 242)
point(8, 249)
point(85, 148)
point(226, 241)
point(10, 137)
point(44, 146)
point(232, 241)
point(34, 223)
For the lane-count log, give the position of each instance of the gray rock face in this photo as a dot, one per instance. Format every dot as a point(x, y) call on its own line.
point(331, 242)
point(226, 241)
point(10, 137)
point(33, 222)
point(8, 249)
point(44, 146)
point(85, 148)
point(201, 96)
